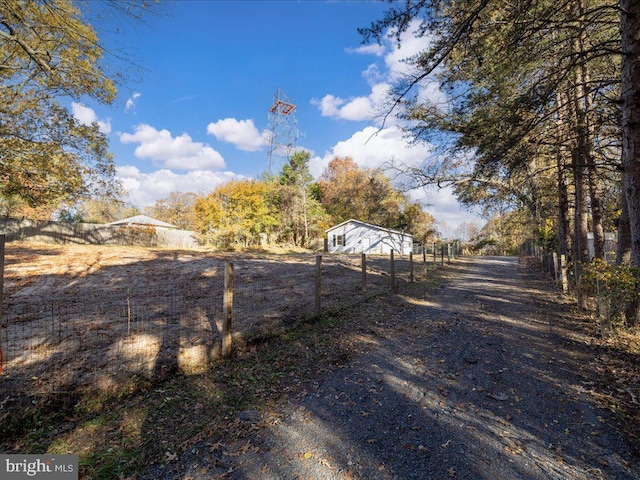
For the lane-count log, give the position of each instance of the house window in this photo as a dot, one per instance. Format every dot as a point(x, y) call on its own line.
point(340, 240)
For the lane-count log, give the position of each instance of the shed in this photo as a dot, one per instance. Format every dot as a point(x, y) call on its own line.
point(354, 236)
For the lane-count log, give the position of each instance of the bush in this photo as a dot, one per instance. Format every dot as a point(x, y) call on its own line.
point(616, 285)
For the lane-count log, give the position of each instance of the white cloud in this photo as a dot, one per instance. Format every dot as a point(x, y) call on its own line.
point(131, 101)
point(373, 49)
point(354, 109)
point(180, 153)
point(410, 46)
point(241, 133)
point(381, 76)
point(87, 116)
point(373, 148)
point(442, 204)
point(144, 189)
point(329, 105)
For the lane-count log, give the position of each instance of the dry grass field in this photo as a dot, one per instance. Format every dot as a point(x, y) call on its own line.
point(77, 315)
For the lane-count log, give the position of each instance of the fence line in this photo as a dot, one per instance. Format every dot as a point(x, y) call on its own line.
point(42, 231)
point(65, 332)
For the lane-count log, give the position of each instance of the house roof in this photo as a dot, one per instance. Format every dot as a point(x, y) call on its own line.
point(370, 225)
point(142, 220)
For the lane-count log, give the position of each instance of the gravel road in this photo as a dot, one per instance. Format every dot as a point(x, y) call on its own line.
point(483, 380)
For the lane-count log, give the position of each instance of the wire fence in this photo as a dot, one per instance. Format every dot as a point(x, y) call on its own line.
point(101, 329)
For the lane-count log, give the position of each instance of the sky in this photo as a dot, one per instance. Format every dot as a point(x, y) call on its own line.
point(192, 112)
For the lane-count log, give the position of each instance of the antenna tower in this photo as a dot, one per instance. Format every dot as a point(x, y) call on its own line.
point(283, 131)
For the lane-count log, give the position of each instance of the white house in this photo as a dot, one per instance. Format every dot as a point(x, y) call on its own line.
point(354, 236)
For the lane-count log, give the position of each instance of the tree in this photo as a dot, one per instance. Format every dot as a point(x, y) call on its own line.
point(177, 209)
point(629, 27)
point(100, 209)
point(301, 215)
point(348, 191)
point(238, 212)
point(49, 55)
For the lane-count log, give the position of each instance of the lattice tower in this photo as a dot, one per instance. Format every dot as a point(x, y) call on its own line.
point(283, 131)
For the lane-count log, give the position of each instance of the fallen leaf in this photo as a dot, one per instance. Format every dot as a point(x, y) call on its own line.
point(170, 457)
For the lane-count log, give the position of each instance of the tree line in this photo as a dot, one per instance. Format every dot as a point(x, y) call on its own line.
point(540, 126)
point(290, 207)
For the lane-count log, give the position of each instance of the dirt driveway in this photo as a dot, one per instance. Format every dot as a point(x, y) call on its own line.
point(484, 380)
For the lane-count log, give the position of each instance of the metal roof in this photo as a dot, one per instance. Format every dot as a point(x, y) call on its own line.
point(142, 220)
point(370, 225)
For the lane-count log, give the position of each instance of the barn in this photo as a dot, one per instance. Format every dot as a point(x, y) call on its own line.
point(354, 236)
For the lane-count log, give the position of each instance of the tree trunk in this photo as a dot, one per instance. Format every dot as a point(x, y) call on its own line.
point(564, 239)
point(584, 109)
point(630, 88)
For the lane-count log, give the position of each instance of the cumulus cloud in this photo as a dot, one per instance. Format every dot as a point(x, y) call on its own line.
point(87, 116)
point(241, 133)
point(395, 58)
point(354, 109)
point(180, 153)
point(372, 147)
point(144, 189)
point(381, 75)
point(131, 101)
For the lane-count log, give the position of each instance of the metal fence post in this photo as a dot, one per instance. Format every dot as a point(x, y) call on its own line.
point(364, 273)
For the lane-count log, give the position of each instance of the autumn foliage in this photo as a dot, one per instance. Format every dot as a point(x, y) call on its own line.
point(291, 208)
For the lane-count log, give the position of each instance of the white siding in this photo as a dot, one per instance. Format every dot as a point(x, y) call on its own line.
point(358, 237)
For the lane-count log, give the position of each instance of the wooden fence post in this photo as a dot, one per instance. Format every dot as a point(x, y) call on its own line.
point(442, 254)
point(424, 254)
point(318, 284)
point(563, 273)
point(554, 261)
point(435, 254)
point(364, 273)
point(393, 272)
point(448, 252)
point(227, 310)
point(411, 267)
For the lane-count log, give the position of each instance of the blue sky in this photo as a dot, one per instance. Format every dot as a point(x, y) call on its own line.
point(194, 115)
